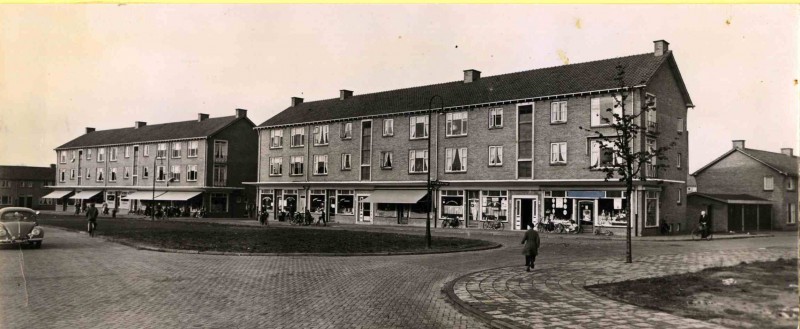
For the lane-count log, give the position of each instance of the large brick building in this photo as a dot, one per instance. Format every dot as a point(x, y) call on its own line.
point(23, 186)
point(509, 146)
point(748, 190)
point(189, 164)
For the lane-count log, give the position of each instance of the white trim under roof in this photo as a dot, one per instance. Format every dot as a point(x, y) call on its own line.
point(131, 143)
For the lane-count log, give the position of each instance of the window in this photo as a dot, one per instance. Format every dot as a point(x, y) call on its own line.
point(386, 160)
point(193, 145)
point(388, 127)
point(496, 118)
point(75, 155)
point(790, 183)
point(63, 157)
point(62, 175)
point(176, 150)
point(161, 153)
point(456, 124)
point(276, 166)
point(680, 160)
point(191, 173)
point(347, 161)
point(455, 159)
point(320, 164)
point(276, 138)
point(680, 191)
point(792, 214)
point(88, 173)
point(558, 112)
point(220, 151)
point(101, 155)
point(347, 130)
point(161, 174)
point(419, 127)
point(7, 184)
point(558, 153)
point(601, 115)
point(219, 203)
point(298, 137)
point(603, 154)
point(127, 173)
point(680, 125)
point(651, 205)
point(72, 174)
point(321, 135)
point(175, 173)
point(127, 151)
point(112, 172)
point(769, 183)
point(88, 154)
point(220, 175)
point(145, 172)
point(296, 165)
point(525, 141)
point(652, 116)
point(146, 150)
point(418, 161)
point(112, 154)
point(366, 150)
point(652, 168)
point(99, 176)
point(495, 156)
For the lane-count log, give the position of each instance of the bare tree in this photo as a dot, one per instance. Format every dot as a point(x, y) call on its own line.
point(620, 156)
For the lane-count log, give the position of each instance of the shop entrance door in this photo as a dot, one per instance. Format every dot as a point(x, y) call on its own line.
point(525, 212)
point(364, 209)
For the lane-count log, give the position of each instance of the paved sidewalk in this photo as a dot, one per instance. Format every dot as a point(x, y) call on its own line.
point(553, 295)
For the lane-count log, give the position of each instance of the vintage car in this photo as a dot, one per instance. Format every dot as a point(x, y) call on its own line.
point(19, 225)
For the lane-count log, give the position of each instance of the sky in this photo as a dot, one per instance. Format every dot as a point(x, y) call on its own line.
point(67, 67)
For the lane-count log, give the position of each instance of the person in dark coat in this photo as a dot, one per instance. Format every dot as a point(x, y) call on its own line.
point(531, 249)
point(706, 224)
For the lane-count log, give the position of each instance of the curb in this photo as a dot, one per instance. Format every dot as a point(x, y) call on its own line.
point(139, 246)
point(468, 310)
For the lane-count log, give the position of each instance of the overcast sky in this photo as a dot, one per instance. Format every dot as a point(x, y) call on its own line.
point(63, 68)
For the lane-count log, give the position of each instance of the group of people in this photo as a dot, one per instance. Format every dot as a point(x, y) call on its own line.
point(307, 217)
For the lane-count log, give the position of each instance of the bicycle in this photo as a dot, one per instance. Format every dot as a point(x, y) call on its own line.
point(91, 227)
point(602, 231)
point(493, 223)
point(450, 222)
point(697, 233)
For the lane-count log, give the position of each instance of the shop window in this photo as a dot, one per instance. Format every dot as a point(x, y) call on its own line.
point(651, 208)
point(452, 204)
point(345, 202)
point(219, 202)
point(317, 202)
point(494, 204)
point(495, 156)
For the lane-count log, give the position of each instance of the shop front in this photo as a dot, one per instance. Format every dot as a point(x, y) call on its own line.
point(588, 208)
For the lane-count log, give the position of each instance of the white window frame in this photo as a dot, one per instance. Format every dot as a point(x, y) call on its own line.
point(597, 112)
point(221, 150)
point(146, 150)
point(412, 156)
point(498, 150)
point(161, 151)
point(88, 173)
point(790, 185)
point(112, 154)
point(456, 120)
point(450, 159)
point(99, 174)
point(347, 161)
point(189, 170)
point(112, 174)
point(62, 175)
point(493, 114)
point(792, 219)
point(412, 129)
point(320, 158)
point(321, 135)
point(193, 147)
point(297, 131)
point(769, 183)
point(220, 175)
point(388, 127)
point(276, 138)
point(145, 172)
point(276, 163)
point(175, 173)
point(680, 125)
point(347, 130)
point(101, 155)
point(680, 160)
point(647, 196)
point(558, 112)
point(127, 173)
point(161, 173)
point(595, 148)
point(72, 173)
point(176, 148)
point(680, 192)
point(387, 156)
point(558, 149)
point(63, 157)
point(127, 152)
point(293, 161)
point(88, 154)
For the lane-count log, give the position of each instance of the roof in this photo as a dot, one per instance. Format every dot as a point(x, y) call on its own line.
point(782, 163)
point(149, 133)
point(552, 81)
point(27, 173)
point(732, 198)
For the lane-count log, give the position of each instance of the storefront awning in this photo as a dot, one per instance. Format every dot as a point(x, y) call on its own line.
point(57, 194)
point(396, 196)
point(143, 195)
point(177, 196)
point(83, 195)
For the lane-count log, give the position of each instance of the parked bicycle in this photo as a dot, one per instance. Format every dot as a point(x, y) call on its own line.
point(697, 233)
point(493, 223)
point(603, 231)
point(450, 222)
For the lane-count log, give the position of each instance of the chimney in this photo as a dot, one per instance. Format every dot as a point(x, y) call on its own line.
point(139, 124)
point(661, 47)
point(201, 116)
point(241, 113)
point(471, 75)
point(345, 94)
point(297, 101)
point(787, 150)
point(738, 143)
point(89, 130)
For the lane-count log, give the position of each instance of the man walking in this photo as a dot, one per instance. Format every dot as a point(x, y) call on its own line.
point(91, 214)
point(531, 249)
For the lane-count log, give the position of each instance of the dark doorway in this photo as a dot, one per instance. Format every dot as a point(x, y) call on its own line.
point(735, 218)
point(764, 217)
point(526, 212)
point(750, 218)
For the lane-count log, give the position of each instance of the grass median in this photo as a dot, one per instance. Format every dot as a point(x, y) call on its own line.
point(255, 239)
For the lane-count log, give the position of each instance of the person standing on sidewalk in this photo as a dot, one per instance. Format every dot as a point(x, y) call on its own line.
point(91, 215)
point(531, 249)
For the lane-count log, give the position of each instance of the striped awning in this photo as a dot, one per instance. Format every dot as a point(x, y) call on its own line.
point(57, 194)
point(83, 195)
point(396, 196)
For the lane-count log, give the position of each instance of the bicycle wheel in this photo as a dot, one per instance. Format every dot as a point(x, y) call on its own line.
point(560, 228)
point(696, 234)
point(485, 225)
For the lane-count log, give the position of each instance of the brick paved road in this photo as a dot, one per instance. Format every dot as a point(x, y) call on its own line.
point(76, 281)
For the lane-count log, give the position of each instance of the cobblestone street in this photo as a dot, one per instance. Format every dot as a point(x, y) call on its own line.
point(78, 282)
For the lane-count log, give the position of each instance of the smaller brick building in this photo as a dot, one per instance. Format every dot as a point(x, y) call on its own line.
point(747, 190)
point(23, 186)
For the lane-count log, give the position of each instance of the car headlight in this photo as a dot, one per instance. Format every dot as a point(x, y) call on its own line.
point(36, 231)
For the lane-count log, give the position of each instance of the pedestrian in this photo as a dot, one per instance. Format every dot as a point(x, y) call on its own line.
point(262, 217)
point(322, 218)
point(105, 209)
point(531, 249)
point(91, 214)
point(705, 224)
point(308, 218)
point(77, 208)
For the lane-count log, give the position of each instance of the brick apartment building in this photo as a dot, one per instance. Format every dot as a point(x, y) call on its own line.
point(748, 190)
point(508, 146)
point(189, 164)
point(24, 186)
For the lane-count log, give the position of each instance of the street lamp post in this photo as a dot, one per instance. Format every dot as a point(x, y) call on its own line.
point(430, 184)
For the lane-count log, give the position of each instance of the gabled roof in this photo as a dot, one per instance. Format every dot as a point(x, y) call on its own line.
point(151, 133)
point(553, 81)
point(782, 163)
point(731, 198)
point(27, 173)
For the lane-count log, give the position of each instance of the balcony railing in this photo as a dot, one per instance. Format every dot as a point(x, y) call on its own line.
point(220, 158)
